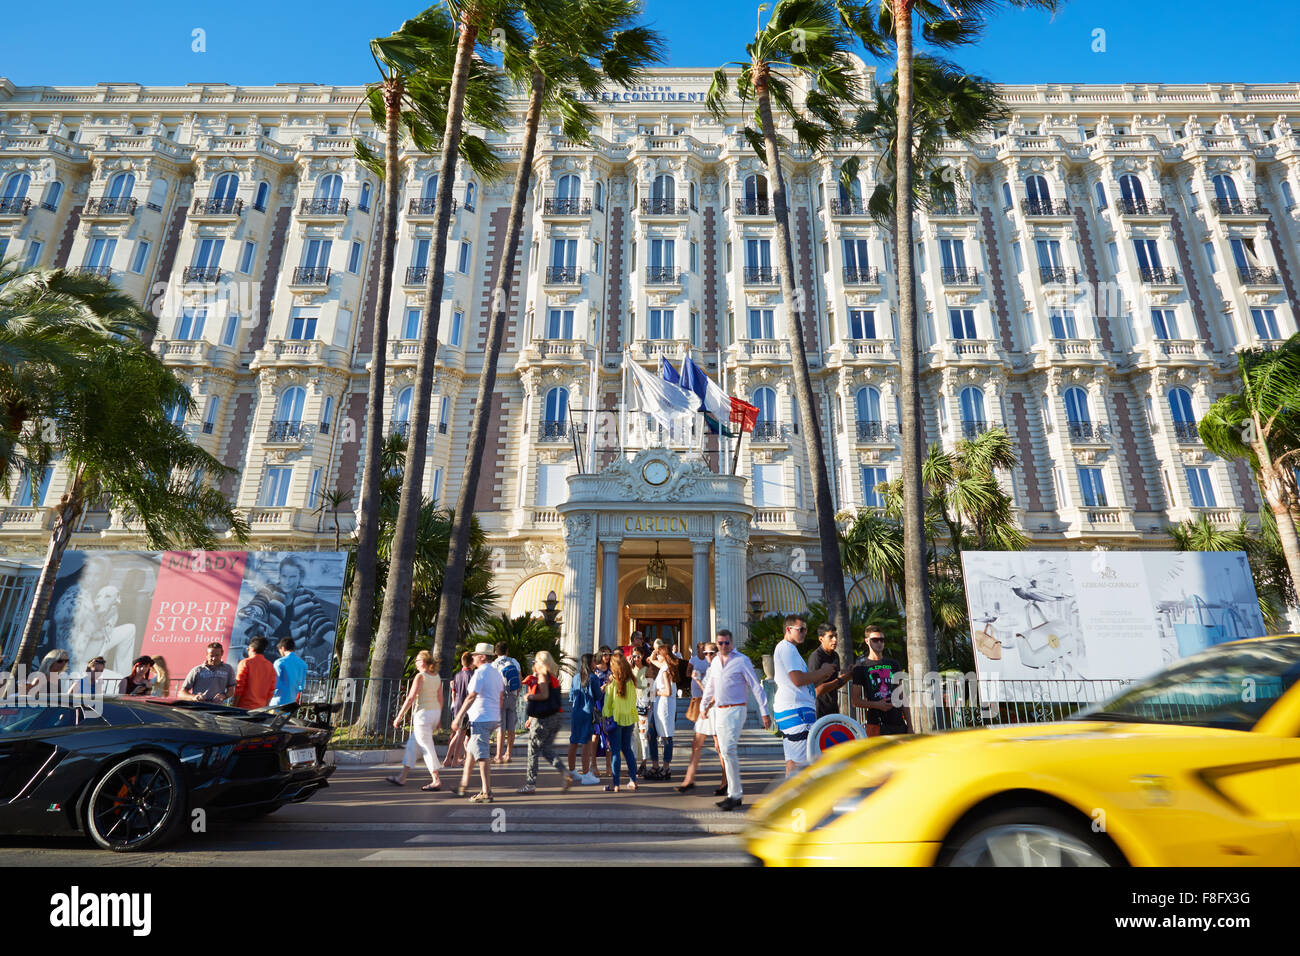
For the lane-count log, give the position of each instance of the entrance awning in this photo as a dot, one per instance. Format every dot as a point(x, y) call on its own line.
point(869, 589)
point(779, 594)
point(530, 596)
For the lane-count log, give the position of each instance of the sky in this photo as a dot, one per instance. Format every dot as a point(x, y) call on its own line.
point(77, 42)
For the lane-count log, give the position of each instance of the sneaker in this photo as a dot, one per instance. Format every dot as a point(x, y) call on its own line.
point(527, 788)
point(589, 780)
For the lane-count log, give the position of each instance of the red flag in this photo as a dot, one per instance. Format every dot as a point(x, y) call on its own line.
point(744, 414)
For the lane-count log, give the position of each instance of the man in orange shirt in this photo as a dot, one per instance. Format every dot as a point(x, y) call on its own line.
point(255, 678)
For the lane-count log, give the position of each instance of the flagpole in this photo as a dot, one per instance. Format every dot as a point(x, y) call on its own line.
point(591, 420)
point(739, 439)
point(622, 405)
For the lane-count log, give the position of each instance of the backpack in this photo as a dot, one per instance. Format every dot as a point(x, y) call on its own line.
point(510, 673)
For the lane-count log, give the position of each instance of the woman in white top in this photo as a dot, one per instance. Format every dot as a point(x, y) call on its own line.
point(665, 704)
point(426, 699)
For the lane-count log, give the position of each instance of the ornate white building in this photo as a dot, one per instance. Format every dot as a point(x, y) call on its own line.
point(1118, 246)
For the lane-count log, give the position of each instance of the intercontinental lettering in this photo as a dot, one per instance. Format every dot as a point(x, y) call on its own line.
point(663, 523)
point(646, 94)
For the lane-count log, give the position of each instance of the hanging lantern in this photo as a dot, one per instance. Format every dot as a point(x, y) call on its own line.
point(656, 573)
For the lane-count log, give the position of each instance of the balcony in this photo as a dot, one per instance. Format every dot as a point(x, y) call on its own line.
point(323, 208)
point(105, 208)
point(200, 274)
point(662, 275)
point(753, 207)
point(849, 207)
point(649, 350)
point(1187, 433)
point(563, 275)
point(399, 428)
point(1259, 275)
point(1054, 275)
point(875, 433)
point(417, 275)
point(1159, 276)
point(566, 207)
point(854, 276)
point(556, 349)
point(767, 433)
point(1045, 207)
point(965, 210)
point(762, 275)
point(663, 207)
point(103, 272)
point(1075, 350)
point(424, 208)
point(765, 349)
point(14, 206)
point(311, 275)
point(557, 431)
point(1238, 207)
point(1172, 351)
point(869, 349)
point(961, 277)
point(288, 432)
point(1141, 207)
point(973, 429)
point(24, 518)
point(1085, 433)
point(217, 207)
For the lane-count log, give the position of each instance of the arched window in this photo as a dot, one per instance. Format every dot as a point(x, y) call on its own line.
point(1180, 404)
point(1225, 188)
point(755, 188)
point(53, 193)
point(598, 195)
point(1288, 197)
point(1036, 190)
point(121, 186)
point(568, 186)
point(402, 406)
point(852, 195)
point(176, 414)
point(288, 416)
point(263, 193)
point(364, 202)
point(1130, 188)
point(555, 414)
point(973, 421)
point(867, 402)
point(1076, 407)
point(226, 186)
point(692, 194)
point(471, 191)
point(765, 400)
point(664, 187)
point(1100, 191)
point(329, 187)
point(16, 186)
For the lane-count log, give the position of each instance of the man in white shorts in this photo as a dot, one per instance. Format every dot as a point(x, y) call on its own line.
point(704, 655)
point(795, 704)
point(482, 708)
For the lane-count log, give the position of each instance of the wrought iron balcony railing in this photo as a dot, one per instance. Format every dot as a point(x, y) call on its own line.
point(399, 428)
point(848, 207)
point(956, 208)
point(753, 207)
point(973, 429)
point(217, 207)
point(961, 276)
point(1187, 431)
point(323, 207)
point(105, 206)
point(427, 206)
point(14, 206)
point(663, 207)
point(1161, 276)
point(873, 431)
point(311, 275)
point(1059, 276)
point(1238, 207)
point(287, 431)
point(770, 432)
point(572, 206)
point(200, 274)
point(762, 275)
point(560, 275)
point(104, 272)
point(416, 275)
point(1045, 207)
point(1141, 207)
point(1258, 275)
point(1084, 431)
point(867, 276)
point(553, 431)
point(662, 275)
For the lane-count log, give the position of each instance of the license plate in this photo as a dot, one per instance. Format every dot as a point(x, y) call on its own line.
point(302, 755)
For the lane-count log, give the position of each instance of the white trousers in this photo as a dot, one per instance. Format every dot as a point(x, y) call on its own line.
point(727, 724)
point(422, 727)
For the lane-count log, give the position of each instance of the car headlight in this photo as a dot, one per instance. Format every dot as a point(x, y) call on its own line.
point(847, 802)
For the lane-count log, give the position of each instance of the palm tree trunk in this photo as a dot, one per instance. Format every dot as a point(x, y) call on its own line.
point(65, 519)
point(394, 636)
point(1273, 485)
point(837, 607)
point(921, 658)
point(446, 631)
point(361, 604)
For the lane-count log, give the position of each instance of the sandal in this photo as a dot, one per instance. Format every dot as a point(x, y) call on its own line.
point(395, 782)
point(481, 798)
point(685, 788)
point(632, 785)
point(431, 788)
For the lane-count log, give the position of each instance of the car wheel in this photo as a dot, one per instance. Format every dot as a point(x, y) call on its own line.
point(1028, 836)
point(137, 805)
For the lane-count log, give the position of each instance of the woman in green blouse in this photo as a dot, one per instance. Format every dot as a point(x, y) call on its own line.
point(620, 704)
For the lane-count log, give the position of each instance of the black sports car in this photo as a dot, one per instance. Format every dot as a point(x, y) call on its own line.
point(132, 771)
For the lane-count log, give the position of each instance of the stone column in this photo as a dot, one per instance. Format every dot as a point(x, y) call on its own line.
point(729, 575)
point(700, 604)
point(578, 626)
point(609, 594)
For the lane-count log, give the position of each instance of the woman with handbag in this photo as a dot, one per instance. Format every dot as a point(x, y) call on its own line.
point(544, 718)
point(619, 707)
point(664, 711)
point(426, 699)
point(643, 675)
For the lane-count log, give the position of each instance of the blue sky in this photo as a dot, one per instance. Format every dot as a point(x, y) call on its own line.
point(1169, 41)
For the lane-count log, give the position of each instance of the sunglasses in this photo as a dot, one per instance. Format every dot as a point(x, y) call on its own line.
point(710, 653)
point(724, 643)
point(799, 629)
point(875, 640)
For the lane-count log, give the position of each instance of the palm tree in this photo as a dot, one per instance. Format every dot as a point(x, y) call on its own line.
point(1263, 551)
point(114, 436)
point(804, 41)
point(872, 545)
point(332, 502)
point(394, 625)
point(414, 63)
point(575, 48)
point(1261, 425)
point(943, 25)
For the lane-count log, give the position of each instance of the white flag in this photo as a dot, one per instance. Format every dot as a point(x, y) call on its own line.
point(668, 404)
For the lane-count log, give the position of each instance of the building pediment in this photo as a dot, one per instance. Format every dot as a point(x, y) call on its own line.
point(655, 475)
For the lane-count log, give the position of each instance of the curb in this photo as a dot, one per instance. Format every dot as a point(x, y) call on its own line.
point(366, 758)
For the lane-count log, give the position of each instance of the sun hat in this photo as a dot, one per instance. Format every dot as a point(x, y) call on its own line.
point(487, 650)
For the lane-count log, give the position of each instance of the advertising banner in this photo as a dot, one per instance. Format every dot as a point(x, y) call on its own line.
point(172, 604)
point(1102, 615)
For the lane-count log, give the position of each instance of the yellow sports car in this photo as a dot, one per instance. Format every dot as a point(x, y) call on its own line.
point(1198, 765)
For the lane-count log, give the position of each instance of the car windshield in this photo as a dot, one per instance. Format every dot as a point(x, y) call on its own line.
point(1230, 687)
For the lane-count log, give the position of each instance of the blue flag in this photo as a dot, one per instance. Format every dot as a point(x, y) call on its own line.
point(668, 373)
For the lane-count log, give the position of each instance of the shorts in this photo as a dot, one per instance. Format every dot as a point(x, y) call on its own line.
point(796, 751)
point(480, 734)
point(704, 725)
point(508, 712)
point(580, 728)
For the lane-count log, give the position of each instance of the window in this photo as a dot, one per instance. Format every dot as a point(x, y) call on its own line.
point(758, 254)
point(229, 329)
point(326, 414)
point(952, 253)
point(263, 193)
point(866, 403)
point(1036, 191)
point(568, 186)
point(226, 187)
point(551, 486)
point(1076, 407)
point(1130, 188)
point(34, 254)
point(1062, 493)
point(318, 253)
point(402, 406)
point(1265, 323)
point(444, 411)
point(1049, 254)
point(457, 327)
point(695, 256)
point(862, 324)
point(871, 477)
point(755, 191)
point(557, 406)
point(660, 324)
point(598, 196)
point(1198, 482)
point(1244, 255)
point(420, 254)
point(691, 194)
point(100, 257)
point(246, 257)
point(851, 195)
point(462, 266)
point(1093, 488)
point(190, 325)
point(53, 193)
point(855, 257)
point(1099, 191)
point(354, 258)
point(696, 340)
point(1210, 256)
point(329, 187)
point(920, 256)
point(436, 492)
point(662, 254)
point(210, 414)
point(1007, 201)
point(209, 254)
point(769, 490)
point(1288, 197)
point(1063, 324)
point(559, 324)
point(1180, 405)
point(765, 402)
point(663, 188)
point(1225, 188)
point(962, 322)
point(595, 256)
point(302, 322)
point(364, 202)
point(275, 490)
point(23, 493)
point(121, 186)
point(430, 188)
point(762, 323)
point(1018, 256)
point(972, 410)
point(1148, 255)
point(1112, 250)
point(564, 253)
point(1164, 323)
point(411, 323)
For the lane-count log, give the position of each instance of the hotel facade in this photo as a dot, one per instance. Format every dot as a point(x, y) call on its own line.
point(1113, 249)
